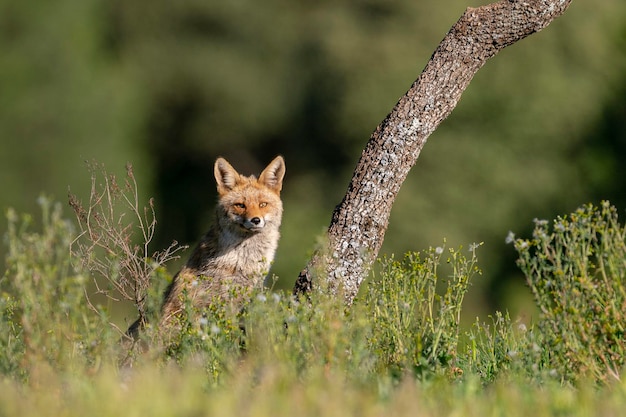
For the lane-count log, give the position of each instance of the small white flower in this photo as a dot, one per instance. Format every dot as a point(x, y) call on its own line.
point(510, 238)
point(540, 234)
point(215, 329)
point(276, 297)
point(194, 283)
point(522, 327)
point(261, 297)
point(203, 321)
point(474, 246)
point(522, 245)
point(438, 250)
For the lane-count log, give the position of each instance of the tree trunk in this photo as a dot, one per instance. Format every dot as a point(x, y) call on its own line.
point(359, 222)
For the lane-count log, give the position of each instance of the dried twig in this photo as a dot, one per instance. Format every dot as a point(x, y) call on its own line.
point(115, 237)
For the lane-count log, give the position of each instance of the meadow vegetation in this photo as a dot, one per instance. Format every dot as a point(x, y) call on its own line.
point(399, 349)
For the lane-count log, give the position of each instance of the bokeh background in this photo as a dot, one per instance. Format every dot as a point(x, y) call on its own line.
point(171, 85)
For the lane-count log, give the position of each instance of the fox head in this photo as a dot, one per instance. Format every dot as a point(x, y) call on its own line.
point(249, 204)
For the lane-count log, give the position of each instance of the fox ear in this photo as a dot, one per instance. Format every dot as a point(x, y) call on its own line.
point(225, 176)
point(272, 175)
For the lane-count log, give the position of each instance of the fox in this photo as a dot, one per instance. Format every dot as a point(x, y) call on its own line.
point(235, 254)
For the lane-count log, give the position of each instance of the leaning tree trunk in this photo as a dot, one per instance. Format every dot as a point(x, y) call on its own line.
point(359, 222)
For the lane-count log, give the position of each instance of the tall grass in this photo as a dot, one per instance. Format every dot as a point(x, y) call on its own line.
point(398, 350)
point(44, 318)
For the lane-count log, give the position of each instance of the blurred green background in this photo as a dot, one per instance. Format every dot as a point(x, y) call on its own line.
point(171, 85)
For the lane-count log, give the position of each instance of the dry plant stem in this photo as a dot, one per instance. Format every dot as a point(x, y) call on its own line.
point(106, 243)
point(359, 222)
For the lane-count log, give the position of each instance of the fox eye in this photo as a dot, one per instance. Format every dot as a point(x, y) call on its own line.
point(240, 206)
point(262, 204)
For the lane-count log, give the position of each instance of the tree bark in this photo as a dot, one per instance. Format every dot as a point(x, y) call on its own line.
point(359, 222)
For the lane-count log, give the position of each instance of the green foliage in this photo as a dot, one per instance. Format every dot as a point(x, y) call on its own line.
point(505, 347)
point(309, 336)
point(11, 343)
point(403, 327)
point(399, 349)
point(211, 339)
point(45, 317)
point(577, 274)
point(301, 337)
point(416, 329)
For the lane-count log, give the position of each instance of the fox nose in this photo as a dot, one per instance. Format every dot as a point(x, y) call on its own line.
point(255, 221)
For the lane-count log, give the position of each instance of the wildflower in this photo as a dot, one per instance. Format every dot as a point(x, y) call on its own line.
point(510, 238)
point(261, 297)
point(474, 246)
point(522, 244)
point(438, 250)
point(215, 329)
point(539, 233)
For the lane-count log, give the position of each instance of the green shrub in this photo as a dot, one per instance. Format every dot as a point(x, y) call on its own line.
point(211, 339)
point(307, 336)
point(45, 319)
point(577, 273)
point(503, 347)
point(415, 328)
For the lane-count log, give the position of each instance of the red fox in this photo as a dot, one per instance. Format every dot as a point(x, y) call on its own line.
point(235, 255)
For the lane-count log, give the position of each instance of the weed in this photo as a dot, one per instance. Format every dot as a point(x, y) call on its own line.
point(45, 319)
point(416, 329)
point(501, 347)
point(577, 272)
point(114, 238)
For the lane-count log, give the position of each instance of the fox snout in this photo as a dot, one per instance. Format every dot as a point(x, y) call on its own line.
point(248, 216)
point(254, 223)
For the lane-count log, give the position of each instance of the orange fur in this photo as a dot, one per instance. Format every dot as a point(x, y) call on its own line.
point(235, 255)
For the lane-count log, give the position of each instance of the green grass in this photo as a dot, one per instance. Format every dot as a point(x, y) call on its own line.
point(398, 350)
